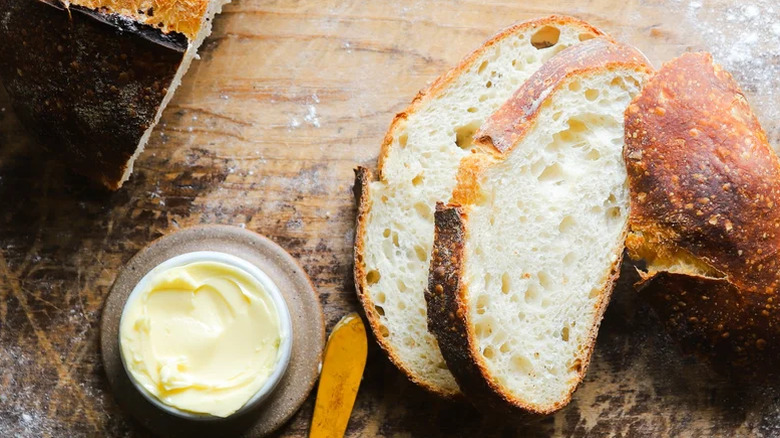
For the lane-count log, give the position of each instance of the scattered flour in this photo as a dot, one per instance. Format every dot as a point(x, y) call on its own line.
point(746, 41)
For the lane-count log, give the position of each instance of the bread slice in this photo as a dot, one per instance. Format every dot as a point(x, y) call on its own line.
point(95, 76)
point(523, 267)
point(417, 167)
point(705, 191)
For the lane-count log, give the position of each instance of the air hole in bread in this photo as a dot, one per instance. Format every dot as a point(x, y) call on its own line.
point(566, 223)
point(611, 199)
point(384, 331)
point(593, 155)
point(482, 303)
point(402, 286)
point(380, 298)
point(506, 283)
point(464, 135)
point(395, 239)
point(545, 37)
point(613, 213)
point(532, 293)
point(544, 279)
point(488, 280)
point(618, 82)
point(386, 233)
point(479, 251)
point(488, 352)
point(403, 139)
point(380, 310)
point(546, 303)
point(401, 305)
point(504, 347)
point(565, 334)
point(442, 366)
point(569, 259)
point(586, 36)
point(409, 342)
point(530, 59)
point(422, 255)
point(575, 86)
point(553, 172)
point(423, 210)
point(595, 292)
point(417, 180)
point(521, 364)
point(472, 109)
point(483, 97)
point(591, 94)
point(482, 67)
point(373, 277)
point(557, 115)
point(488, 84)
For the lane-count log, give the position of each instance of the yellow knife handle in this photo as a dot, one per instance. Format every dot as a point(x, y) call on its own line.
point(342, 370)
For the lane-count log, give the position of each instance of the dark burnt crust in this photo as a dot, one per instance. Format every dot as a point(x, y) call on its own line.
point(704, 180)
point(361, 190)
point(87, 88)
point(448, 320)
point(448, 317)
point(511, 122)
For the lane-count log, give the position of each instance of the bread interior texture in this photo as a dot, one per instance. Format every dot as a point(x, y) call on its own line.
point(419, 170)
point(544, 237)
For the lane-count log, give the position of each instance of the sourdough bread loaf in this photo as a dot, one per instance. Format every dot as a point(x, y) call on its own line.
point(417, 167)
point(705, 191)
point(91, 78)
point(525, 259)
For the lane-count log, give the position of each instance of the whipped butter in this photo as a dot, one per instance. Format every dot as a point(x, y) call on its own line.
point(203, 337)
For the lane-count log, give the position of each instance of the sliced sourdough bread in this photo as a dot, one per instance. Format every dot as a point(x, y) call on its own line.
point(705, 190)
point(417, 167)
point(93, 79)
point(522, 269)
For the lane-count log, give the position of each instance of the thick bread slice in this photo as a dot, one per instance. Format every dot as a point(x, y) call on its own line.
point(523, 269)
point(705, 191)
point(417, 167)
point(92, 83)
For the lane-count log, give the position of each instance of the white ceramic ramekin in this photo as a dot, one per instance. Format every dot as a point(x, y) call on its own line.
point(285, 328)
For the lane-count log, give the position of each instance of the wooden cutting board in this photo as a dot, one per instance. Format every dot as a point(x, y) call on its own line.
point(288, 97)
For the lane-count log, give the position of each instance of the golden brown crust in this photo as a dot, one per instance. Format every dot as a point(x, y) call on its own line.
point(182, 16)
point(89, 102)
point(507, 125)
point(705, 181)
point(444, 80)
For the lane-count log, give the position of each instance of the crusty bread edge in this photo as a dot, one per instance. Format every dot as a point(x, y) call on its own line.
point(448, 320)
point(363, 178)
point(444, 80)
point(701, 298)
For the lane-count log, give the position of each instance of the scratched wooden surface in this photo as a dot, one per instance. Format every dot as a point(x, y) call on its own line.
point(288, 97)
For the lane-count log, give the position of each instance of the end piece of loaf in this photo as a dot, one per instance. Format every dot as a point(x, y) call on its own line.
point(705, 190)
point(523, 268)
point(417, 167)
point(92, 82)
